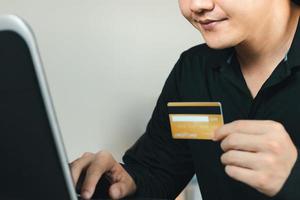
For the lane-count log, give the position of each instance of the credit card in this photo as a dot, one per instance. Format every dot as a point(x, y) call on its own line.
point(195, 120)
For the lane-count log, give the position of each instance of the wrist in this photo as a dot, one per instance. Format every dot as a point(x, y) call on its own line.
point(290, 189)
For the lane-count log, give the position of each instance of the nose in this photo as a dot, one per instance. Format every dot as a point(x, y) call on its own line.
point(199, 6)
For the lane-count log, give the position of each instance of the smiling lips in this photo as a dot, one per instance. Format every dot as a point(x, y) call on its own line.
point(209, 24)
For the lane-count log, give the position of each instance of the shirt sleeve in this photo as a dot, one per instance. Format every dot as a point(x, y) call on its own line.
point(291, 188)
point(160, 166)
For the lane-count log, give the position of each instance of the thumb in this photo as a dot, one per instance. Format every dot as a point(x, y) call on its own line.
point(119, 190)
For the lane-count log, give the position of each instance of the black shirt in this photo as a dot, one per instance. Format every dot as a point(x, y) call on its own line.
point(162, 166)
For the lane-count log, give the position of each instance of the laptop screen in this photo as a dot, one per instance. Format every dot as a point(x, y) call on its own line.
point(29, 163)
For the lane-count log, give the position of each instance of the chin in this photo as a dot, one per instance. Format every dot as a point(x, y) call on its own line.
point(218, 45)
point(219, 41)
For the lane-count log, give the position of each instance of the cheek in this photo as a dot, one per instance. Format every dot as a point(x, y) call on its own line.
point(227, 35)
point(241, 28)
point(184, 8)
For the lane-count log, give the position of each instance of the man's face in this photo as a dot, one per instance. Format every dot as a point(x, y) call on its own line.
point(227, 23)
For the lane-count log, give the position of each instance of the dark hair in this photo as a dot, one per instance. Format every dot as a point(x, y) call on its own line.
point(297, 2)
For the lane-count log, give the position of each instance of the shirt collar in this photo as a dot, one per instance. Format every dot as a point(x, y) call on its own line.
point(220, 59)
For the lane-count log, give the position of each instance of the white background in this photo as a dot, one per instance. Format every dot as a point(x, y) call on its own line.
point(106, 62)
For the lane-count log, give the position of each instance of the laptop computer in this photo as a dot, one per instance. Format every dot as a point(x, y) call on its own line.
point(33, 162)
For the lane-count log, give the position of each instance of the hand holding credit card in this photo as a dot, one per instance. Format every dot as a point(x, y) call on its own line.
point(195, 120)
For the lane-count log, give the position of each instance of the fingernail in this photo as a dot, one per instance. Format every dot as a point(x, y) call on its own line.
point(86, 194)
point(213, 137)
point(116, 193)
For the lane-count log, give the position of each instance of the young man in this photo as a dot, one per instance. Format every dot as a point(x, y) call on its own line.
point(251, 64)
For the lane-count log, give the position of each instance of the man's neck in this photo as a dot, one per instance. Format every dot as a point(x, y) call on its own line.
point(268, 46)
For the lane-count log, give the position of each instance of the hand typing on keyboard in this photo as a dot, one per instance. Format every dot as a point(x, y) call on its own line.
point(90, 167)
